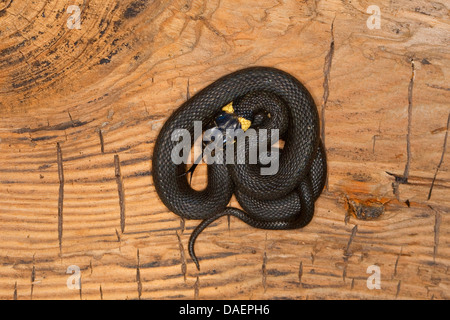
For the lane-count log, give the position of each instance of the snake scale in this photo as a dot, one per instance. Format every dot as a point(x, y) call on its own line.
point(284, 200)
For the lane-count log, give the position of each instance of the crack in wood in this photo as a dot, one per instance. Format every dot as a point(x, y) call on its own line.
point(396, 262)
point(398, 288)
point(437, 228)
point(197, 288)
point(70, 116)
point(57, 127)
point(434, 86)
point(347, 252)
point(264, 266)
point(326, 80)
point(81, 291)
point(182, 225)
point(182, 257)
point(117, 235)
point(404, 178)
point(344, 273)
point(300, 273)
point(264, 271)
point(444, 148)
point(408, 135)
point(61, 194)
point(374, 138)
point(326, 89)
point(188, 93)
point(121, 191)
point(32, 278)
point(138, 277)
point(102, 141)
point(90, 266)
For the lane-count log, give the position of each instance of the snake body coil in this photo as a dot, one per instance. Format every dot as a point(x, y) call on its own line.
point(284, 200)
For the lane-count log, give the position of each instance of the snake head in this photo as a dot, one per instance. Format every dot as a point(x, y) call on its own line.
point(227, 119)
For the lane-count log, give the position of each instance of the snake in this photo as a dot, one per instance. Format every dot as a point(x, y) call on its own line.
point(269, 98)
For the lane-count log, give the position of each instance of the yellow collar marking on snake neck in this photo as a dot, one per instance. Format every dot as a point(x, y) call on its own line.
point(245, 124)
point(228, 108)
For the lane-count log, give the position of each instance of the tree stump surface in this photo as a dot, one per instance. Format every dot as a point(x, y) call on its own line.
point(81, 109)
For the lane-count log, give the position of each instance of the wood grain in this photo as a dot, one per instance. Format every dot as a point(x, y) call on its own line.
point(81, 108)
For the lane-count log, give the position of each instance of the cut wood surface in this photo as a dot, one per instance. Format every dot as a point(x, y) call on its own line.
point(81, 109)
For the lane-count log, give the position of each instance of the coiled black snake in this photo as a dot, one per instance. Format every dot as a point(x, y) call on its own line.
point(284, 200)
